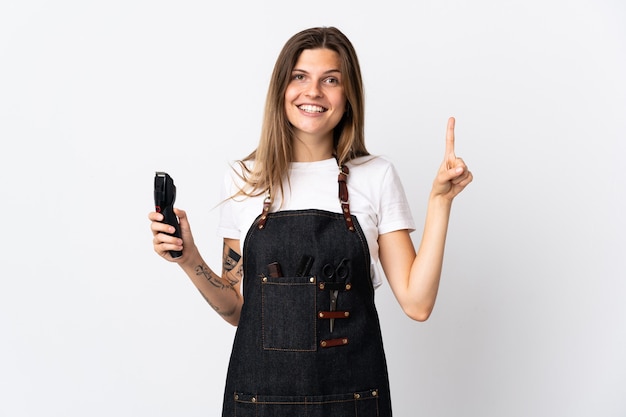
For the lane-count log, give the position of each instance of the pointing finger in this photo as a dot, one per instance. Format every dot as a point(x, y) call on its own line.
point(450, 156)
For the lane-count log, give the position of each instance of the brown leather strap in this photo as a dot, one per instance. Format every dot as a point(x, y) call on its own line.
point(333, 314)
point(344, 200)
point(266, 209)
point(334, 342)
point(344, 171)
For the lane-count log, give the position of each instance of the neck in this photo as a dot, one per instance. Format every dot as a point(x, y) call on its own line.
point(307, 151)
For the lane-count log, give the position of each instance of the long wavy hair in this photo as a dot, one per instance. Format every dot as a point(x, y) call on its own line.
point(275, 149)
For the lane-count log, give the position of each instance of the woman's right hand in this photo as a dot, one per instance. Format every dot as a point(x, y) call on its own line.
point(164, 243)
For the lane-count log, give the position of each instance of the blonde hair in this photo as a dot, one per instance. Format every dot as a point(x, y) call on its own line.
point(274, 152)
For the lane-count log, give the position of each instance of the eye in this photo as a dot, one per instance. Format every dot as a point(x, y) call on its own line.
point(332, 81)
point(297, 77)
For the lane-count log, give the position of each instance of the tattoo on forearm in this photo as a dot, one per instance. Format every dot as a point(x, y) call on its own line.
point(206, 272)
point(203, 270)
point(216, 308)
point(231, 276)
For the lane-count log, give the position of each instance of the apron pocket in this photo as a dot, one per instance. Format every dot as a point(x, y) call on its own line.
point(355, 404)
point(289, 314)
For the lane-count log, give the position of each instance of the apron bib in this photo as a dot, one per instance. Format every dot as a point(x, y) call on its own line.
point(308, 343)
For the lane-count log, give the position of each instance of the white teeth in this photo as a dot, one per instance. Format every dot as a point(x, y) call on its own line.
point(311, 109)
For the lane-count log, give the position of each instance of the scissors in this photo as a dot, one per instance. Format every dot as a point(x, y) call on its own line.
point(331, 272)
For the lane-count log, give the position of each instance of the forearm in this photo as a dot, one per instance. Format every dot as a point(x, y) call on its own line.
point(223, 296)
point(426, 269)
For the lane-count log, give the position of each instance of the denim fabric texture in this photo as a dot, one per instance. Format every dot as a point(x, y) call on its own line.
point(285, 361)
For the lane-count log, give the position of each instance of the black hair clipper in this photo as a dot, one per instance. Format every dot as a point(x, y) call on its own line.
point(164, 197)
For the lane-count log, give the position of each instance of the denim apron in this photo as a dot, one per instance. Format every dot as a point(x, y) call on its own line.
point(308, 343)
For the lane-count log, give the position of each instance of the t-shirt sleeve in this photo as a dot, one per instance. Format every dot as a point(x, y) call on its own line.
point(227, 227)
point(395, 213)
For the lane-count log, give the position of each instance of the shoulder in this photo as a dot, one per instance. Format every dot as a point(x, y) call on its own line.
point(235, 174)
point(238, 167)
point(371, 162)
point(372, 167)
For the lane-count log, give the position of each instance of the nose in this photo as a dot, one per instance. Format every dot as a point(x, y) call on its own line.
point(313, 90)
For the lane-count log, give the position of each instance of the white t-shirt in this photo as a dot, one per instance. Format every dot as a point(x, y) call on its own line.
point(376, 195)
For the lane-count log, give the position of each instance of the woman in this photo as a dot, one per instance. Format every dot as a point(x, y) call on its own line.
point(308, 256)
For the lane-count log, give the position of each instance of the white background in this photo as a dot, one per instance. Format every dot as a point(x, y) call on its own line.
point(95, 96)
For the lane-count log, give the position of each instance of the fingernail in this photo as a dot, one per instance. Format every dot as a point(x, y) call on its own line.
point(459, 170)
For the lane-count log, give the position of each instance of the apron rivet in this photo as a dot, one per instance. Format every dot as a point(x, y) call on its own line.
point(357, 396)
point(374, 393)
point(345, 341)
point(236, 397)
point(323, 343)
point(253, 399)
point(347, 314)
point(264, 279)
point(322, 286)
point(312, 279)
point(348, 286)
point(321, 315)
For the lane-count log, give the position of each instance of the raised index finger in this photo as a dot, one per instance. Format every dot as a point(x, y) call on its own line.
point(450, 139)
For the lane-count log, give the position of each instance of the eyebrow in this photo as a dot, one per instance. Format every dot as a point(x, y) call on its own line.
point(330, 71)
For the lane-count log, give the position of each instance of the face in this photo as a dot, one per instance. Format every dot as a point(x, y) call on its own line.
point(314, 100)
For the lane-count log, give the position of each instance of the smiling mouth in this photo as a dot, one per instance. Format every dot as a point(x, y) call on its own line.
point(312, 109)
